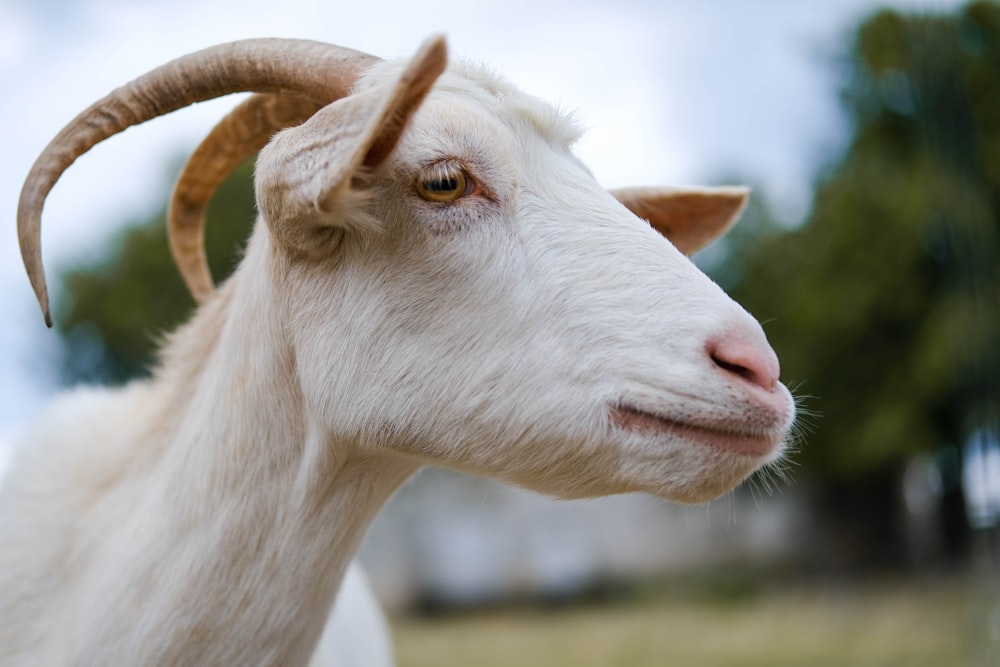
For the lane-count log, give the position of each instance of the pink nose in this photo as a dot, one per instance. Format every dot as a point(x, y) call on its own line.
point(752, 360)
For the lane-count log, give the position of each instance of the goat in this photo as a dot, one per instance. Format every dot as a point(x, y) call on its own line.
point(434, 279)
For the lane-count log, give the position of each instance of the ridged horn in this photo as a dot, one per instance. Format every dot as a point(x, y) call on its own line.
point(238, 136)
point(313, 70)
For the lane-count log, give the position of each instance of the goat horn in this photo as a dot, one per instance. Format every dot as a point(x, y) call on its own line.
point(243, 132)
point(316, 71)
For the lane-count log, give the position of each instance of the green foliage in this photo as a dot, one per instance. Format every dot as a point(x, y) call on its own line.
point(111, 313)
point(884, 305)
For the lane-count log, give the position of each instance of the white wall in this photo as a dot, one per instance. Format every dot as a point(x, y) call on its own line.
point(464, 540)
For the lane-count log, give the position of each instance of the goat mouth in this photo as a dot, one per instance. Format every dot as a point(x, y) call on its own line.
point(743, 442)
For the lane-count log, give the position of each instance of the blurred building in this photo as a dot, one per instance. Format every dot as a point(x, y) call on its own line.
point(451, 540)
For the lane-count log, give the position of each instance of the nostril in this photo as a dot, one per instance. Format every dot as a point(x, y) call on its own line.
point(754, 363)
point(736, 369)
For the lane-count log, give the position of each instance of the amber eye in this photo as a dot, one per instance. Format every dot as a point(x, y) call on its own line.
point(444, 185)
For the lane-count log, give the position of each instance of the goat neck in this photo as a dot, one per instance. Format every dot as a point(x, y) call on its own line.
point(251, 514)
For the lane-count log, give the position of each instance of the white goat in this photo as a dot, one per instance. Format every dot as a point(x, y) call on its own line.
point(435, 279)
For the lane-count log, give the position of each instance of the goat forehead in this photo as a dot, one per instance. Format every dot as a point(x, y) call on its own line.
point(471, 86)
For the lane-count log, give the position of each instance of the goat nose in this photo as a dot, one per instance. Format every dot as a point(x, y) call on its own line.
point(752, 360)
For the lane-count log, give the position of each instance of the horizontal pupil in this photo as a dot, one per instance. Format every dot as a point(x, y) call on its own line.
point(442, 184)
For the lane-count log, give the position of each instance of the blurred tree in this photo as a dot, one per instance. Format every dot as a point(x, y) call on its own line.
point(886, 304)
point(111, 313)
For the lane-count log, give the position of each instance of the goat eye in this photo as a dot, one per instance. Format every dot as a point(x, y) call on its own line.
point(443, 187)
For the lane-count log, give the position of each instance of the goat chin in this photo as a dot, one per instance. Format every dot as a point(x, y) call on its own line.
point(434, 279)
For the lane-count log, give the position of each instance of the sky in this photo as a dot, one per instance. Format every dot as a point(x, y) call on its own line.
point(671, 93)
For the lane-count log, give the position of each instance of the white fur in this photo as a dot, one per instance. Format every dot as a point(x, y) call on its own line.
point(356, 634)
point(207, 516)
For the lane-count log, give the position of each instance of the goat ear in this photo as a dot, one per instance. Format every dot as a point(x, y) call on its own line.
point(312, 177)
point(690, 218)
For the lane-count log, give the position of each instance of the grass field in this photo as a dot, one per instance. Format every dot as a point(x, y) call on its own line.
point(933, 624)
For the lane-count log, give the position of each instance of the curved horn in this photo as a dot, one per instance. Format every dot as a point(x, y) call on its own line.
point(317, 71)
point(243, 132)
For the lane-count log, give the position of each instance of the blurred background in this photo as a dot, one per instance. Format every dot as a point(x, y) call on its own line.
point(871, 251)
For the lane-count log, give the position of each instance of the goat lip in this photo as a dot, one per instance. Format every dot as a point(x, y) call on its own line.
point(745, 443)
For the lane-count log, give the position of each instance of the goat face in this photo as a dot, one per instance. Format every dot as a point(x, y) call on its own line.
point(458, 289)
point(461, 290)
